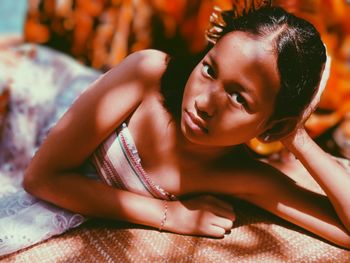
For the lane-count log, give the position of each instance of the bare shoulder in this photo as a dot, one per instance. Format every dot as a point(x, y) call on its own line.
point(148, 65)
point(100, 109)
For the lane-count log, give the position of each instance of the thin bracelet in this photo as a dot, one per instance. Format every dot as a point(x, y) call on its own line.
point(162, 223)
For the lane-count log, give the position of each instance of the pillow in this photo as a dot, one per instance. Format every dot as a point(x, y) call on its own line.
point(39, 84)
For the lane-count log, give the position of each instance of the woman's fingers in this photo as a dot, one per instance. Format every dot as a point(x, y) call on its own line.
point(220, 208)
point(222, 215)
point(208, 216)
point(216, 231)
point(223, 223)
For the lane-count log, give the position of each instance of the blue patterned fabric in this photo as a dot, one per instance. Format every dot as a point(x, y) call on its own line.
point(43, 84)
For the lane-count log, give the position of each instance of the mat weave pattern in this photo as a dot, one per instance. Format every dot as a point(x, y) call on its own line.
point(256, 237)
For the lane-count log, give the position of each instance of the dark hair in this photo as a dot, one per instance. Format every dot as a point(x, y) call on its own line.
point(300, 58)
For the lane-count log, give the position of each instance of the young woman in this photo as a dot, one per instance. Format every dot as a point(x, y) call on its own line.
point(189, 120)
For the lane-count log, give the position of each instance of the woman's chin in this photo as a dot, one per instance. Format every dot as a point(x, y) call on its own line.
point(192, 137)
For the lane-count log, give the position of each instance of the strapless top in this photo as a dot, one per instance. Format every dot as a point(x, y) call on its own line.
point(118, 164)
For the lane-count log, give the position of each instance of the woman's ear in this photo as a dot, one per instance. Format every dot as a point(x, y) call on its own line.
point(278, 129)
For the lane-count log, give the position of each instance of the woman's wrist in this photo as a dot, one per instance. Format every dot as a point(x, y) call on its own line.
point(167, 221)
point(298, 142)
point(165, 216)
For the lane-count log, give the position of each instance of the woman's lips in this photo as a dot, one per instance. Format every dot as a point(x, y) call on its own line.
point(195, 124)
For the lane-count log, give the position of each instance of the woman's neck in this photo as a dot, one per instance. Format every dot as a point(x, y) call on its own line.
point(192, 150)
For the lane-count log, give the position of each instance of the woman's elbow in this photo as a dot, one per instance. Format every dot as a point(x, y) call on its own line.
point(29, 182)
point(34, 184)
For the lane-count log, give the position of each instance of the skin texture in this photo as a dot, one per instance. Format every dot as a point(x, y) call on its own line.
point(231, 91)
point(198, 155)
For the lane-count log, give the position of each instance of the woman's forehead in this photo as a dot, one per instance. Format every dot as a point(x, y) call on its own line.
point(254, 57)
point(246, 44)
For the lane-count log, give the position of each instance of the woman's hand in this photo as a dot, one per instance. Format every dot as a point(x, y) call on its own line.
point(203, 215)
point(298, 138)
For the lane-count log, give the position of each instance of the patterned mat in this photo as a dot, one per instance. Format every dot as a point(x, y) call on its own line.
point(256, 237)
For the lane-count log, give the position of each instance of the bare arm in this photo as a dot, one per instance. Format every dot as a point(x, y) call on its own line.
point(97, 112)
point(277, 193)
point(52, 175)
point(328, 173)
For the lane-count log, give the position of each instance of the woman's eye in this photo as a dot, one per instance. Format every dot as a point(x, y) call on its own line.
point(237, 98)
point(208, 71)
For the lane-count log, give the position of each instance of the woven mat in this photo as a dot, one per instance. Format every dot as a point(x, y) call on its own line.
point(256, 237)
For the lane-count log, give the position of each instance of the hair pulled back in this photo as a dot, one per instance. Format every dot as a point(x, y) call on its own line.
point(299, 51)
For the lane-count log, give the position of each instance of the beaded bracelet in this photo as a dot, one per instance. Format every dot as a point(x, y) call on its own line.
point(162, 223)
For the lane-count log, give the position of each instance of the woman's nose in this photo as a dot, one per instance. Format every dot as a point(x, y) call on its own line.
point(202, 111)
point(205, 103)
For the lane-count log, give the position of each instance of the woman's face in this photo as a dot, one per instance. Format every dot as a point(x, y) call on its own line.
point(230, 94)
